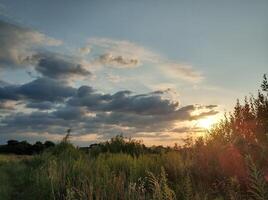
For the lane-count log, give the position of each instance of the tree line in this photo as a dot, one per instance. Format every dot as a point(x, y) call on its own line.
point(25, 148)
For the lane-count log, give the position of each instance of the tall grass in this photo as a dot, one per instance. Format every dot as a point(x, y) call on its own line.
point(65, 172)
point(258, 188)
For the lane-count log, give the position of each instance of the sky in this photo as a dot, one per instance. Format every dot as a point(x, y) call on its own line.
point(153, 70)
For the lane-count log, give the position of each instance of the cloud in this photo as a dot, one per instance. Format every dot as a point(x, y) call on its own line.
point(32, 122)
point(84, 50)
point(3, 83)
point(41, 89)
point(180, 71)
point(45, 89)
point(126, 54)
point(69, 113)
point(22, 47)
point(142, 122)
point(89, 111)
point(45, 105)
point(7, 105)
point(57, 66)
point(103, 123)
point(117, 61)
point(146, 104)
point(211, 106)
point(204, 114)
point(17, 43)
point(126, 49)
point(114, 78)
point(8, 92)
point(123, 101)
point(3, 10)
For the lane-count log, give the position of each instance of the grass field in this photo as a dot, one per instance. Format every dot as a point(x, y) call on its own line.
point(65, 172)
point(12, 157)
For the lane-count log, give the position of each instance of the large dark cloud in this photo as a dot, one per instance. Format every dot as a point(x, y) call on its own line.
point(44, 105)
point(9, 92)
point(57, 66)
point(41, 89)
point(89, 111)
point(70, 113)
point(123, 101)
point(38, 122)
point(146, 104)
point(86, 96)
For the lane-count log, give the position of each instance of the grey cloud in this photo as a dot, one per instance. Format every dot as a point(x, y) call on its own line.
point(144, 121)
point(211, 106)
point(56, 66)
point(123, 101)
point(146, 104)
point(42, 89)
point(39, 122)
point(135, 123)
point(86, 96)
point(102, 123)
point(3, 83)
point(45, 89)
point(117, 61)
point(204, 114)
point(17, 43)
point(70, 113)
point(45, 105)
point(33, 122)
point(20, 47)
point(89, 111)
point(9, 92)
point(84, 90)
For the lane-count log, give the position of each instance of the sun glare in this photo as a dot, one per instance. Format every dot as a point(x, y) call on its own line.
point(206, 122)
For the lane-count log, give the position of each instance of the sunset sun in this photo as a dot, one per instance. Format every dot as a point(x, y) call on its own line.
point(206, 123)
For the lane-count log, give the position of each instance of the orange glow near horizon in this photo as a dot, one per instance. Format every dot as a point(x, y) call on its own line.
point(207, 122)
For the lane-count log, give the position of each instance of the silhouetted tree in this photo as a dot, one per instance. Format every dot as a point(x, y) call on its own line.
point(49, 144)
point(24, 148)
point(12, 142)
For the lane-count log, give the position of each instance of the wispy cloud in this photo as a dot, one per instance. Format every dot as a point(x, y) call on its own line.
point(117, 61)
point(185, 72)
point(125, 49)
point(126, 54)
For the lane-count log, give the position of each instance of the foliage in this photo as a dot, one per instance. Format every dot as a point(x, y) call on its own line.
point(119, 144)
point(257, 185)
point(24, 148)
